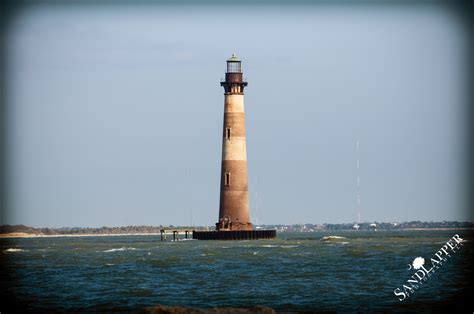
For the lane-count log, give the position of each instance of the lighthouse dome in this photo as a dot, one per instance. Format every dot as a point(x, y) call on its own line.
point(233, 58)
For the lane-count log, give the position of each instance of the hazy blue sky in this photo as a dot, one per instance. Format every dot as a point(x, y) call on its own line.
point(116, 112)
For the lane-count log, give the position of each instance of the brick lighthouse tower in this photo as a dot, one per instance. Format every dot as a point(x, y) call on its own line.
point(234, 215)
point(234, 201)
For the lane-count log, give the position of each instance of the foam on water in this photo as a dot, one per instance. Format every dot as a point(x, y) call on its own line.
point(13, 250)
point(332, 238)
point(120, 249)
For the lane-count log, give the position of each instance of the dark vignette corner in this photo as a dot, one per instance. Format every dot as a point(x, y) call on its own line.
point(464, 9)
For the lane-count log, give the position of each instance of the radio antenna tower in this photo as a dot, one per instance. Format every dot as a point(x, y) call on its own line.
point(358, 183)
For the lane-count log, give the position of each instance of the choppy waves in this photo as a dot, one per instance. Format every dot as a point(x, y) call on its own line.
point(291, 273)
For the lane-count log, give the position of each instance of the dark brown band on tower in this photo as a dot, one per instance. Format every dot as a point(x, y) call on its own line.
point(237, 170)
point(235, 121)
point(232, 205)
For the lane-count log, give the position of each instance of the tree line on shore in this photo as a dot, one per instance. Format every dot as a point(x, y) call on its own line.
point(86, 230)
point(367, 226)
point(371, 226)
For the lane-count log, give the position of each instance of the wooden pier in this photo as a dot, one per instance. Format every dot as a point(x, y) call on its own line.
point(175, 234)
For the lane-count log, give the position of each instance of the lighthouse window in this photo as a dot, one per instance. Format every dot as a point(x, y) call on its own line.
point(233, 67)
point(227, 133)
point(227, 179)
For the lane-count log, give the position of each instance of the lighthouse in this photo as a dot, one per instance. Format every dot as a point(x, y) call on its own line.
point(234, 213)
point(234, 197)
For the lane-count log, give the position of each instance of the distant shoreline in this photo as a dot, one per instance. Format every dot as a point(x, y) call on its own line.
point(418, 229)
point(31, 235)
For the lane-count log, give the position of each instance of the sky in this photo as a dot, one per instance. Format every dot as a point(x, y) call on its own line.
point(115, 113)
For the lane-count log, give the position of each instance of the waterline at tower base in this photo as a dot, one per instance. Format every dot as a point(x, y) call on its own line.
point(234, 235)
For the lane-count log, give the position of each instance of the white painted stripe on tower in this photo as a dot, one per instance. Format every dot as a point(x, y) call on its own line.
point(234, 103)
point(234, 149)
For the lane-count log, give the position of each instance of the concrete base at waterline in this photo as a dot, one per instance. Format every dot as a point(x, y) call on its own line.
point(234, 235)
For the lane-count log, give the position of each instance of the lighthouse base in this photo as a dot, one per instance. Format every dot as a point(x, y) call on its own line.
point(234, 235)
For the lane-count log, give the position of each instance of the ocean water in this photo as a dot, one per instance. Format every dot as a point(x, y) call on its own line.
point(343, 271)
